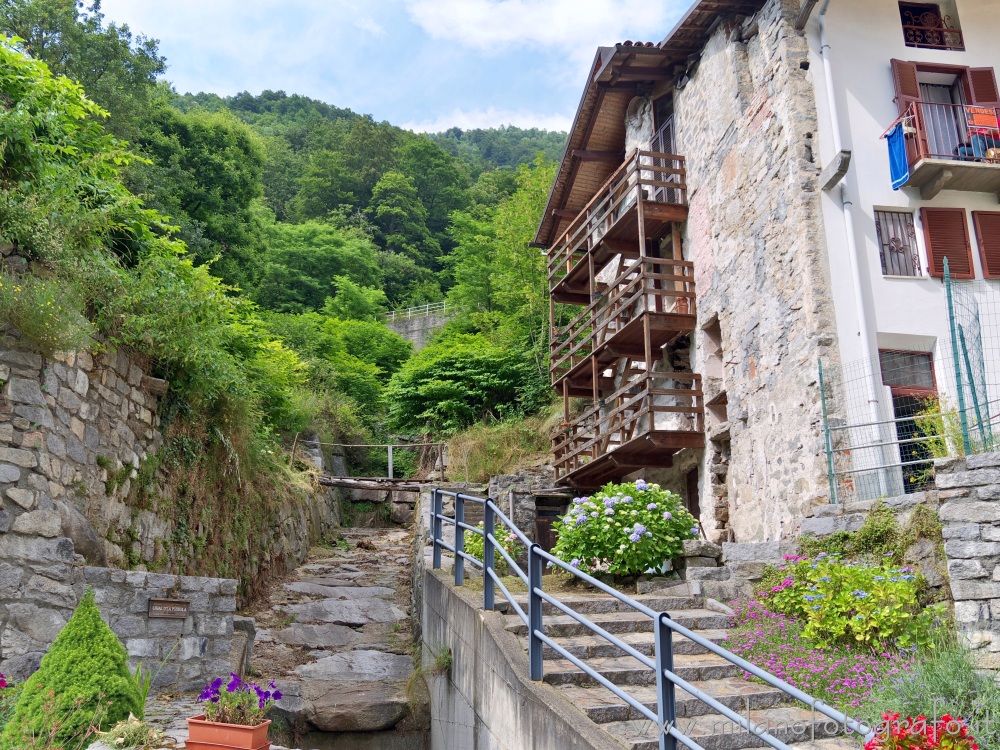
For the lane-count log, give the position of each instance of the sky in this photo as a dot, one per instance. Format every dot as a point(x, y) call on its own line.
point(426, 65)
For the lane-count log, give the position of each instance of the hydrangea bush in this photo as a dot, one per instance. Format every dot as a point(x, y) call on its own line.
point(475, 546)
point(841, 602)
point(242, 703)
point(624, 529)
point(921, 733)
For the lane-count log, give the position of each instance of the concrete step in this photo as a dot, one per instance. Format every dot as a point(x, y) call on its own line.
point(627, 670)
point(621, 622)
point(593, 646)
point(790, 724)
point(603, 707)
point(592, 604)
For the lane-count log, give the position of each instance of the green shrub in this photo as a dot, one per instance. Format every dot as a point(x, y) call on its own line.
point(624, 529)
point(84, 671)
point(47, 312)
point(845, 602)
point(945, 681)
point(475, 546)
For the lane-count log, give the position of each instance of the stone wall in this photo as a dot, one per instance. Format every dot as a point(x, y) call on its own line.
point(969, 493)
point(746, 120)
point(68, 426)
point(42, 581)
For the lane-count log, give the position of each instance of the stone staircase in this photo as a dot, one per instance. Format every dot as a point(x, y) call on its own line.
point(765, 705)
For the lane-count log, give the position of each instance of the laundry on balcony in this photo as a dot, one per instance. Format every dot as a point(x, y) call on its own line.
point(899, 163)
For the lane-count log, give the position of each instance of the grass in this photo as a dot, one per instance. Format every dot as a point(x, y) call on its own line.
point(485, 450)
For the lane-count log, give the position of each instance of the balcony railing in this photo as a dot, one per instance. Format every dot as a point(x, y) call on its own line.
point(929, 30)
point(952, 131)
point(646, 285)
point(657, 177)
point(662, 410)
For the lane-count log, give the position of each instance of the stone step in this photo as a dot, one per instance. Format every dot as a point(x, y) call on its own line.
point(599, 604)
point(593, 646)
point(790, 724)
point(621, 622)
point(602, 706)
point(627, 670)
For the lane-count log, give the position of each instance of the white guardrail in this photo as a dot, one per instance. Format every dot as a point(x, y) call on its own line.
point(420, 311)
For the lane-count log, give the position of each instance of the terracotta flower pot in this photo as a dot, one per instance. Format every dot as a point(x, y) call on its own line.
point(211, 735)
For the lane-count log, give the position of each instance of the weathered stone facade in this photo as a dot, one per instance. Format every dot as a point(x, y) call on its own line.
point(42, 581)
point(745, 120)
point(969, 493)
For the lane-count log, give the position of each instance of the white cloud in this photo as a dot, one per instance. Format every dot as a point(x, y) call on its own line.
point(570, 25)
point(490, 118)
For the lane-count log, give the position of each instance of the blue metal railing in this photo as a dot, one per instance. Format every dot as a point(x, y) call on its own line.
point(662, 661)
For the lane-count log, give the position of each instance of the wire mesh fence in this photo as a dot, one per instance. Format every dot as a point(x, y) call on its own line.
point(887, 418)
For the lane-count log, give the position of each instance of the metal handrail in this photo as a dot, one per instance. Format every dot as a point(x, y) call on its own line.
point(662, 662)
point(418, 311)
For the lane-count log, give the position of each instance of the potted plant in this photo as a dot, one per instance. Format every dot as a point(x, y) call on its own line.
point(234, 716)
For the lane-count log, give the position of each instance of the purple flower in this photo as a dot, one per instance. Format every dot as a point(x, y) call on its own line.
point(581, 519)
point(634, 537)
point(627, 499)
point(651, 506)
point(575, 562)
point(667, 515)
point(609, 512)
point(640, 529)
point(609, 502)
point(694, 531)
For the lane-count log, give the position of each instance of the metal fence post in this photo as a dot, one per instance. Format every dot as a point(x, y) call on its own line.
point(459, 539)
point(535, 569)
point(963, 418)
point(489, 519)
point(390, 462)
point(666, 705)
point(984, 444)
point(831, 476)
point(436, 509)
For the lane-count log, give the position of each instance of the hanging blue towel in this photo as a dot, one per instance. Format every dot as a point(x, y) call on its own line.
point(899, 164)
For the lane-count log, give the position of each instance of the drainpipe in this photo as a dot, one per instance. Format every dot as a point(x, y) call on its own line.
point(824, 50)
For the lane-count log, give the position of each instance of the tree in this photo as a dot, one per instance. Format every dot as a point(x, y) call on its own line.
point(302, 260)
point(117, 70)
point(441, 185)
point(355, 302)
point(85, 669)
point(326, 184)
point(400, 218)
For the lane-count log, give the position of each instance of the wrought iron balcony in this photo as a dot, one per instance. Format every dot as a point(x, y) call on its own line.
point(650, 303)
point(644, 193)
point(952, 147)
point(642, 425)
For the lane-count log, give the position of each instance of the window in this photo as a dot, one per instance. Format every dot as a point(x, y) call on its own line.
point(988, 233)
point(946, 233)
point(910, 378)
point(931, 26)
point(897, 243)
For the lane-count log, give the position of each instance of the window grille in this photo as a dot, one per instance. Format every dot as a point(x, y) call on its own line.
point(926, 27)
point(897, 241)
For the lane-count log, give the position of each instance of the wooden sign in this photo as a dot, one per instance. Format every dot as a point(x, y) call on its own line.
point(170, 609)
point(981, 117)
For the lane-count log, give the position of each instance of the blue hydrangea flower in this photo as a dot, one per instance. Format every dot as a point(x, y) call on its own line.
point(651, 506)
point(640, 529)
point(575, 562)
point(634, 537)
point(627, 499)
point(640, 485)
point(694, 531)
point(593, 514)
point(859, 594)
point(581, 519)
point(609, 512)
point(667, 515)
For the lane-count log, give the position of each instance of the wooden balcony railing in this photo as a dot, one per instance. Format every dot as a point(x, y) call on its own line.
point(647, 285)
point(658, 178)
point(653, 414)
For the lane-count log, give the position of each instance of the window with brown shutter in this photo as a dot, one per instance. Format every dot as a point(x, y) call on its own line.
point(982, 87)
point(947, 234)
point(988, 233)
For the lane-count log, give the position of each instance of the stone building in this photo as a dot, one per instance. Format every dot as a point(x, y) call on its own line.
point(723, 220)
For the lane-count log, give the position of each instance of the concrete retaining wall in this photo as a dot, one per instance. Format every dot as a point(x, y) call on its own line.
point(418, 331)
point(485, 700)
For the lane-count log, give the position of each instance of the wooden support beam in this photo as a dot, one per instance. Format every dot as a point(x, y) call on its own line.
point(379, 484)
point(636, 73)
point(563, 213)
point(614, 157)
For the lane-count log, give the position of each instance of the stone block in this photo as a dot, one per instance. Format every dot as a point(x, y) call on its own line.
point(965, 590)
point(826, 526)
point(970, 611)
point(701, 548)
point(4, 372)
point(96, 575)
point(968, 479)
point(750, 570)
point(957, 549)
point(983, 461)
point(970, 511)
point(707, 574)
point(965, 533)
point(24, 498)
point(700, 562)
point(192, 647)
point(29, 360)
point(9, 473)
point(228, 586)
point(81, 383)
point(18, 457)
point(129, 626)
point(750, 551)
point(213, 625)
point(6, 432)
point(24, 391)
point(826, 511)
point(171, 628)
point(224, 604)
point(143, 648)
point(967, 569)
point(44, 523)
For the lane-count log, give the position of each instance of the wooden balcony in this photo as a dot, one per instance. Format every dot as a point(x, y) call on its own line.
point(649, 304)
point(641, 197)
point(952, 147)
point(642, 425)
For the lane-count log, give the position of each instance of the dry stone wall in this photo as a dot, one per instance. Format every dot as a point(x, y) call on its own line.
point(746, 120)
point(969, 496)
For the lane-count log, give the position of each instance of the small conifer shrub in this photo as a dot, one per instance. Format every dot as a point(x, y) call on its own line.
point(83, 680)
